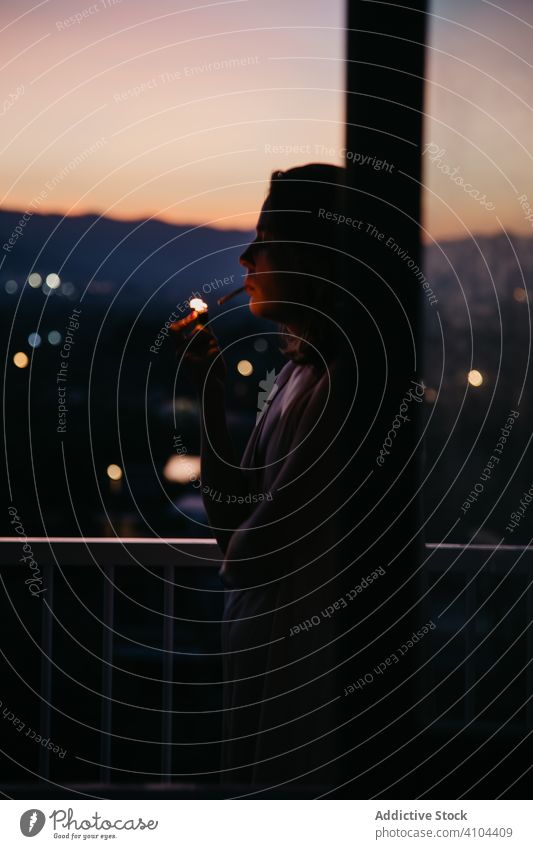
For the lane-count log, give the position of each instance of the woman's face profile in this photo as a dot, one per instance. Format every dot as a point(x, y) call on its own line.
point(265, 282)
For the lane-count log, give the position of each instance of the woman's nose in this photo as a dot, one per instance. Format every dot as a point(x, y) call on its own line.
point(247, 258)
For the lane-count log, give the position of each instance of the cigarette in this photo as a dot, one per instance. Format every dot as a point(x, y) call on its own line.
point(230, 295)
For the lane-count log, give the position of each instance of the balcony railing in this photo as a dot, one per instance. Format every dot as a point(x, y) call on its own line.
point(120, 652)
point(160, 568)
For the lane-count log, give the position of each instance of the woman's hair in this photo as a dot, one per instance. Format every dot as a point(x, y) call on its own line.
point(304, 206)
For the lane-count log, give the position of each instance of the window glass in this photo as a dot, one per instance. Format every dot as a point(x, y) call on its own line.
point(137, 145)
point(478, 249)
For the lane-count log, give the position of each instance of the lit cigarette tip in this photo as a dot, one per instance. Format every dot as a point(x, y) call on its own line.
point(230, 295)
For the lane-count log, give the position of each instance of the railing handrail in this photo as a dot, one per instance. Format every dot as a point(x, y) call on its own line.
point(478, 546)
point(85, 551)
point(161, 551)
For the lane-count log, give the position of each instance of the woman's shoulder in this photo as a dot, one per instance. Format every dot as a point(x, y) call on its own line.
point(286, 371)
point(330, 367)
point(318, 381)
point(287, 374)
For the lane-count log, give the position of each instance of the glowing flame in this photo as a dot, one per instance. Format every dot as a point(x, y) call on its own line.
point(198, 305)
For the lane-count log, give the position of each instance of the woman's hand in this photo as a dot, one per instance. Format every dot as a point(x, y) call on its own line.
point(199, 353)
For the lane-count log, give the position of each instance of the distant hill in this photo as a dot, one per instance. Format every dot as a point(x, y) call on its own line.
point(145, 253)
point(150, 254)
point(477, 271)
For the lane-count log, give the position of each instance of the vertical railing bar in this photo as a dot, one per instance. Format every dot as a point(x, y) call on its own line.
point(529, 656)
point(469, 676)
point(107, 672)
point(168, 674)
point(45, 708)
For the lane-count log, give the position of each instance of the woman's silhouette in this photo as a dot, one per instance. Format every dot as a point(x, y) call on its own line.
point(279, 529)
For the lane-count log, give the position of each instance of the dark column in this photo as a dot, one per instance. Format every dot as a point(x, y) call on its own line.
point(384, 302)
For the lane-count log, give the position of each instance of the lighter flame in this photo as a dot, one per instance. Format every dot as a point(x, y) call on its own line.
point(198, 305)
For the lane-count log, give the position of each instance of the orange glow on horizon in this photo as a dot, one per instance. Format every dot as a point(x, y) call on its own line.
point(182, 114)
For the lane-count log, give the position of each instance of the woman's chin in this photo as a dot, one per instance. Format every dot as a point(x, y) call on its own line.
point(265, 310)
point(259, 310)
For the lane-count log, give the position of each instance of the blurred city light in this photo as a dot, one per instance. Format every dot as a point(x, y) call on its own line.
point(21, 359)
point(245, 368)
point(475, 378)
point(68, 289)
point(181, 468)
point(53, 280)
point(114, 472)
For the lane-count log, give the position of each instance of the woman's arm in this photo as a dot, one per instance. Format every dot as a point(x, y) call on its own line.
point(220, 474)
point(222, 479)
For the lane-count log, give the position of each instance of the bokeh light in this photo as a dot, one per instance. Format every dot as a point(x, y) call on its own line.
point(35, 280)
point(54, 337)
point(475, 378)
point(21, 359)
point(53, 280)
point(181, 468)
point(11, 286)
point(245, 368)
point(114, 472)
point(34, 340)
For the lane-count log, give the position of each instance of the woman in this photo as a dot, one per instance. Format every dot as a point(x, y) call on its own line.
point(281, 627)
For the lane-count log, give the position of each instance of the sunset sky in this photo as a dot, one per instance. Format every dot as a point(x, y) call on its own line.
point(182, 140)
point(479, 104)
point(133, 110)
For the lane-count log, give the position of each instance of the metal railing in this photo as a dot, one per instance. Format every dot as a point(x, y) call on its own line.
point(482, 598)
point(469, 589)
point(108, 554)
